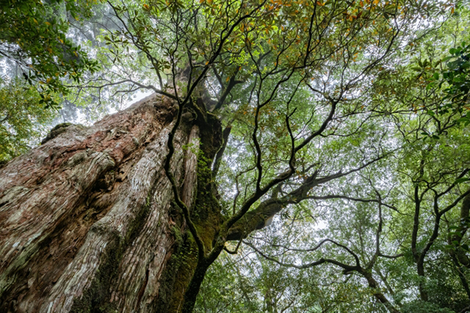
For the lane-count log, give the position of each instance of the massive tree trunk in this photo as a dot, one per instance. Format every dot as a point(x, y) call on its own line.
point(88, 221)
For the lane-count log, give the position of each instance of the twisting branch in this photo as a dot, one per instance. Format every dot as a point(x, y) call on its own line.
point(256, 218)
point(192, 84)
point(226, 91)
point(311, 264)
point(174, 186)
point(150, 87)
point(236, 248)
point(326, 197)
point(347, 269)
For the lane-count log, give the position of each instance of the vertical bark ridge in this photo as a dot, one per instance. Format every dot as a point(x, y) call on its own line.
point(146, 259)
point(189, 186)
point(104, 182)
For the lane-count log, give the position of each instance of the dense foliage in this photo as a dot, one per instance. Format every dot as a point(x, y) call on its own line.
point(39, 58)
point(22, 119)
point(33, 40)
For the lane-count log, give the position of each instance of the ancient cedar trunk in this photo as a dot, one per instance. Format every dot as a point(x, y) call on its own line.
point(87, 221)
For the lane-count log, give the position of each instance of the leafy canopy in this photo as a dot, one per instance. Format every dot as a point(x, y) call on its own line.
point(34, 42)
point(22, 120)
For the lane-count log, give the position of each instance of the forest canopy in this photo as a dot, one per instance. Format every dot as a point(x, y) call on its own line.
point(341, 180)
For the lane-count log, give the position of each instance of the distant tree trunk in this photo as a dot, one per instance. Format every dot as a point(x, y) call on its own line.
point(88, 222)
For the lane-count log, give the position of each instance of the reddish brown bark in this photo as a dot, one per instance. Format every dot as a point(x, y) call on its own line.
point(87, 220)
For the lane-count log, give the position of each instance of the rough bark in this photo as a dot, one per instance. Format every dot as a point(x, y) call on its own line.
point(88, 222)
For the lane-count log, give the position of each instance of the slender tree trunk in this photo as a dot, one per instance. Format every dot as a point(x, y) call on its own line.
point(377, 293)
point(88, 222)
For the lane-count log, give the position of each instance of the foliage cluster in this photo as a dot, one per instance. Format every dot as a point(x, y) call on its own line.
point(34, 42)
point(23, 120)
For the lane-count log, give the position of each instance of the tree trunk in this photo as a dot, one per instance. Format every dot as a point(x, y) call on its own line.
point(88, 221)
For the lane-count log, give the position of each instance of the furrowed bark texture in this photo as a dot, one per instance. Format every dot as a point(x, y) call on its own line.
point(87, 220)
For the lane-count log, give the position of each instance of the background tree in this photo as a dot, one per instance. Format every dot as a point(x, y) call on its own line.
point(39, 57)
point(389, 229)
point(33, 40)
point(22, 119)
